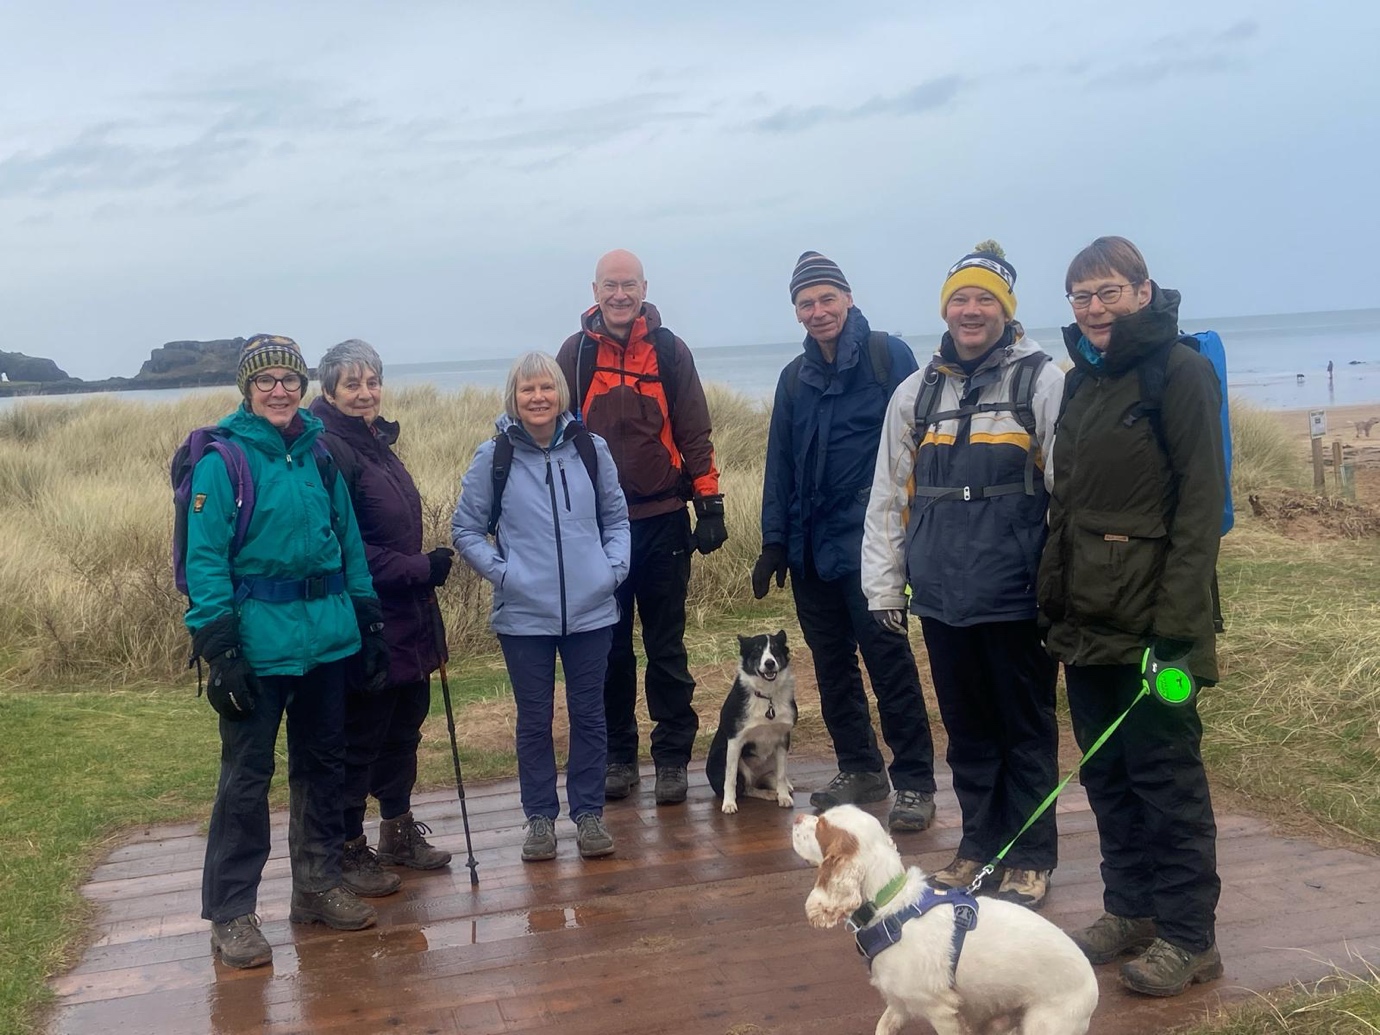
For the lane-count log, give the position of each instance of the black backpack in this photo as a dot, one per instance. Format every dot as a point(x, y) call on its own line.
point(878, 350)
point(577, 433)
point(1021, 403)
point(663, 342)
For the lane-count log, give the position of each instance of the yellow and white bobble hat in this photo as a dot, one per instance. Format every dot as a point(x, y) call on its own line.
point(984, 267)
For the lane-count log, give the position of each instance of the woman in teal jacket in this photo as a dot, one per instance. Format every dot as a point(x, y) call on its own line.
point(275, 620)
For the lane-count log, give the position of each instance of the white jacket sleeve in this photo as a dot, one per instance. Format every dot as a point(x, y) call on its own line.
point(888, 507)
point(1049, 396)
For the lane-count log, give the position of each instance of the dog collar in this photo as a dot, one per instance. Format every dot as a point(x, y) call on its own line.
point(771, 706)
point(867, 912)
point(872, 941)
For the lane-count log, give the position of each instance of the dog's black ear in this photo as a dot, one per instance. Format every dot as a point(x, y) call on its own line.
point(743, 641)
point(780, 635)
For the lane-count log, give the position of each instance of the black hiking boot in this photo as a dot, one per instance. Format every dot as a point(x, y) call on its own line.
point(239, 943)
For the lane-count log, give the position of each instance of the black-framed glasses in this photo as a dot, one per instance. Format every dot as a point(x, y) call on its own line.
point(1107, 295)
point(290, 382)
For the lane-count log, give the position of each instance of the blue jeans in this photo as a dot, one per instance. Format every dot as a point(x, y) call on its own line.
point(531, 664)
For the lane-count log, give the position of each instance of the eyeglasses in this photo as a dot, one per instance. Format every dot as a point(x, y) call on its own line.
point(267, 382)
point(1106, 295)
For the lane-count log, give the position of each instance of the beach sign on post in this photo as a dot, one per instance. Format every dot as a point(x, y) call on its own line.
point(1317, 428)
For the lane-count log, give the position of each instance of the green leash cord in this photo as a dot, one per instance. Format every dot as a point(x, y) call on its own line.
point(1167, 681)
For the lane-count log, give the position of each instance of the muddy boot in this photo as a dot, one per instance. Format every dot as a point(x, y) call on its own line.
point(619, 780)
point(361, 873)
point(338, 908)
point(1165, 969)
point(1111, 936)
point(401, 844)
point(240, 944)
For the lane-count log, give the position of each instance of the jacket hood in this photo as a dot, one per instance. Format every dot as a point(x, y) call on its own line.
point(1134, 336)
point(852, 339)
point(353, 429)
point(592, 323)
point(258, 432)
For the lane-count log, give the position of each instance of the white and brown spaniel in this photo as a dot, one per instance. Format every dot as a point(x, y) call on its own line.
point(1015, 970)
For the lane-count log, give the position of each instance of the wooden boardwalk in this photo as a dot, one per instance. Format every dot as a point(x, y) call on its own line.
point(696, 926)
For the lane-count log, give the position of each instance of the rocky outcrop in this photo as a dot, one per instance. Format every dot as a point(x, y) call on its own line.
point(18, 367)
point(213, 362)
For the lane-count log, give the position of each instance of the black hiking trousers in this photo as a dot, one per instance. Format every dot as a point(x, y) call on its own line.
point(1149, 792)
point(658, 578)
point(837, 625)
point(994, 682)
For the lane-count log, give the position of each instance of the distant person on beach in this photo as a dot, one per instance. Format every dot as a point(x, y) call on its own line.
point(276, 623)
point(383, 730)
point(1135, 522)
point(634, 383)
point(826, 424)
point(558, 553)
point(957, 510)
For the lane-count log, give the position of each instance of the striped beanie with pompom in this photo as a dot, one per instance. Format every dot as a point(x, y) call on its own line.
point(985, 267)
point(264, 351)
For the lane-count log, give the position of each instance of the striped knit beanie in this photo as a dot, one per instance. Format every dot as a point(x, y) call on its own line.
point(811, 269)
point(985, 267)
point(264, 351)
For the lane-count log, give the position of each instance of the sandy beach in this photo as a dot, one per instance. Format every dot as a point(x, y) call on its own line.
point(1360, 446)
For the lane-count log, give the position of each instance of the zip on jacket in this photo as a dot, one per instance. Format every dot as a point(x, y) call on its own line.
point(556, 523)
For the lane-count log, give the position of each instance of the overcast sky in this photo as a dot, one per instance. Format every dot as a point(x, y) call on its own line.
point(439, 178)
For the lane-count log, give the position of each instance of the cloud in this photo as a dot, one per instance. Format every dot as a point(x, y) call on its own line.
point(928, 96)
point(1135, 75)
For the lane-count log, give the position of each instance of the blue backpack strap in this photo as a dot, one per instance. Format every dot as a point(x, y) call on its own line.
point(589, 456)
point(793, 377)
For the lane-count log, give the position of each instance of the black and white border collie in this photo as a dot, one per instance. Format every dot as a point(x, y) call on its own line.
point(755, 725)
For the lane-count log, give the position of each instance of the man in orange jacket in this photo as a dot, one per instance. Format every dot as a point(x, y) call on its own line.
point(634, 383)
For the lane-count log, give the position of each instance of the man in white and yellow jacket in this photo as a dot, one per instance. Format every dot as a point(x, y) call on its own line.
point(956, 520)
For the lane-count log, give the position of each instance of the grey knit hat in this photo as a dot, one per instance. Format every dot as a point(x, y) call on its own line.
point(811, 269)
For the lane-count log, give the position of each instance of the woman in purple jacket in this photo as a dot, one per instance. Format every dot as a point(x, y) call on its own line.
point(382, 730)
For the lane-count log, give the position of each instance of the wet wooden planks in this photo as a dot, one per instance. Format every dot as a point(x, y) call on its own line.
point(695, 926)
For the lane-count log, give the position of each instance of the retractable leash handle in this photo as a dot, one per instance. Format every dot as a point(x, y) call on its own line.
point(1169, 682)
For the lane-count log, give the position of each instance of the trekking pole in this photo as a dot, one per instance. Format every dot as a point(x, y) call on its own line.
point(454, 745)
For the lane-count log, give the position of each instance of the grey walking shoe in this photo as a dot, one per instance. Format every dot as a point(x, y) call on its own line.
point(592, 836)
point(1165, 969)
point(401, 844)
point(912, 811)
point(672, 784)
point(540, 842)
point(851, 789)
point(361, 873)
point(339, 908)
point(619, 780)
point(1110, 936)
point(240, 944)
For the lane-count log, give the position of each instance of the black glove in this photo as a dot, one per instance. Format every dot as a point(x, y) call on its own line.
point(231, 686)
point(772, 561)
point(893, 620)
point(440, 560)
point(1171, 650)
point(373, 652)
point(710, 531)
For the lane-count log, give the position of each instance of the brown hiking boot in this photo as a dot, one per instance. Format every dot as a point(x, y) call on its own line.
point(1165, 969)
point(1111, 936)
point(339, 908)
point(1024, 887)
point(361, 873)
point(240, 944)
point(401, 844)
point(961, 873)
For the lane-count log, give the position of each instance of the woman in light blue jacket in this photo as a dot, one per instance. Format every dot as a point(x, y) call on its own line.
point(559, 550)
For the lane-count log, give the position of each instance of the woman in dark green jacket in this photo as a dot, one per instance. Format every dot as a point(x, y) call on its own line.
point(275, 620)
point(1135, 519)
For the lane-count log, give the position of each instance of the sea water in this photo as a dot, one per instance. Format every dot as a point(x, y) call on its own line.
point(1278, 362)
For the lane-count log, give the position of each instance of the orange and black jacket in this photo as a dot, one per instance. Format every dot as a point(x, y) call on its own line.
point(662, 449)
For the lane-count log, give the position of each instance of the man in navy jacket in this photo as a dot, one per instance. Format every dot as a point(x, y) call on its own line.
point(825, 429)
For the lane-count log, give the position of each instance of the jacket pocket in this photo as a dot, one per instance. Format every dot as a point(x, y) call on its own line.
point(1115, 564)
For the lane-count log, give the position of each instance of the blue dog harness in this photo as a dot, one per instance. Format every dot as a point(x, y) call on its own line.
point(873, 939)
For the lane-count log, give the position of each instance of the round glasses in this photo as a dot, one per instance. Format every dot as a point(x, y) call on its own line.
point(290, 382)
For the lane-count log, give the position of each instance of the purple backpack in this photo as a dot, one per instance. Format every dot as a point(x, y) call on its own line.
point(184, 461)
